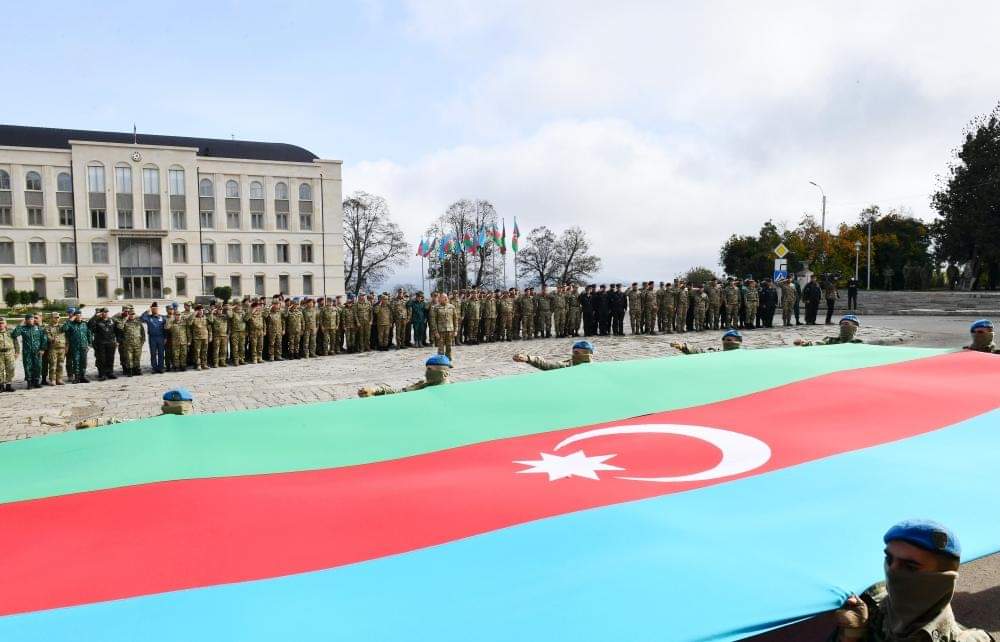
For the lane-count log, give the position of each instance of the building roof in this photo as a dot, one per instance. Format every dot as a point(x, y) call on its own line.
point(46, 137)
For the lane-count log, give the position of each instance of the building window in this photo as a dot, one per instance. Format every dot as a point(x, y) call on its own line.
point(235, 284)
point(6, 285)
point(35, 216)
point(98, 219)
point(256, 220)
point(232, 220)
point(179, 252)
point(283, 284)
point(152, 219)
point(36, 252)
point(178, 220)
point(67, 252)
point(99, 252)
point(33, 182)
point(235, 253)
point(281, 253)
point(95, 178)
point(256, 190)
point(281, 191)
point(38, 285)
point(208, 252)
point(102, 286)
point(209, 284)
point(125, 221)
point(207, 220)
point(307, 284)
point(257, 253)
point(7, 252)
point(306, 251)
point(123, 180)
point(69, 287)
point(5, 217)
point(206, 188)
point(4, 180)
point(150, 180)
point(258, 284)
point(66, 217)
point(64, 182)
point(232, 189)
point(182, 285)
point(175, 181)
point(281, 221)
point(305, 192)
point(305, 221)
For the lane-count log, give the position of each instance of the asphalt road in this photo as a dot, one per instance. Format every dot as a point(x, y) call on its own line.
point(977, 597)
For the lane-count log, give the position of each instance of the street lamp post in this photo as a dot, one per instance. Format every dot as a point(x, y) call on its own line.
point(823, 215)
point(857, 257)
point(869, 286)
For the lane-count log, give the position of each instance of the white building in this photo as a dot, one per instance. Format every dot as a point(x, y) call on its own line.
point(84, 214)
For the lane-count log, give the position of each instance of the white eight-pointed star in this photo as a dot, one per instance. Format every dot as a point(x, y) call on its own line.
point(576, 465)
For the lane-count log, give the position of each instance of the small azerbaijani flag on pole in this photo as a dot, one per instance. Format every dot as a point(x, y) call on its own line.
point(516, 234)
point(503, 239)
point(422, 248)
point(431, 246)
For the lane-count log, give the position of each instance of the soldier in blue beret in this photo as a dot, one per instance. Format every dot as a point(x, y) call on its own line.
point(914, 603)
point(982, 337)
point(731, 340)
point(583, 352)
point(849, 325)
point(435, 374)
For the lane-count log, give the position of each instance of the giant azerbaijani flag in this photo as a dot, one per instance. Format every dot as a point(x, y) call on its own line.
point(708, 497)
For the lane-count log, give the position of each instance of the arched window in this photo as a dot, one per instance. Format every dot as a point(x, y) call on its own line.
point(150, 180)
point(305, 192)
point(256, 190)
point(95, 178)
point(33, 181)
point(4, 180)
point(205, 187)
point(232, 189)
point(281, 191)
point(64, 183)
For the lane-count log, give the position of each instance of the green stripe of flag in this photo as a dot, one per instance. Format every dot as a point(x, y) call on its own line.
point(359, 431)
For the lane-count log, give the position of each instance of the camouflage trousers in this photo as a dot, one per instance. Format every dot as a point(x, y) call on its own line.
point(199, 352)
point(132, 353)
point(294, 343)
point(329, 337)
point(256, 347)
point(574, 322)
point(489, 328)
point(670, 317)
point(220, 346)
point(663, 319)
point(363, 336)
point(178, 354)
point(751, 314)
point(733, 314)
point(237, 347)
point(506, 329)
point(559, 317)
point(459, 330)
point(715, 317)
point(635, 321)
point(350, 338)
point(680, 319)
point(402, 336)
point(698, 323)
point(786, 313)
point(6, 367)
point(57, 360)
point(274, 346)
point(445, 340)
point(528, 323)
point(649, 321)
point(308, 344)
point(383, 336)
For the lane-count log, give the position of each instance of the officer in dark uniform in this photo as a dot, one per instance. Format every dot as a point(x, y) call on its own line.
point(811, 294)
point(587, 310)
point(617, 310)
point(102, 327)
point(602, 309)
point(852, 294)
point(768, 303)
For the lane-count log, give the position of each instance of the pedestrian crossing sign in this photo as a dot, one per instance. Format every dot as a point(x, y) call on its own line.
point(781, 250)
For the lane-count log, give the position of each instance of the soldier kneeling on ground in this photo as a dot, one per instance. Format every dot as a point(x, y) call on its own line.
point(914, 603)
point(583, 352)
point(435, 374)
point(731, 340)
point(849, 325)
point(982, 337)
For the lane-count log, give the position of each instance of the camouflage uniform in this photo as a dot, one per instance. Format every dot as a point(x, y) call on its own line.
point(649, 310)
point(78, 340)
point(293, 330)
point(787, 302)
point(505, 307)
point(220, 339)
point(33, 341)
point(752, 301)
point(731, 297)
point(256, 326)
point(543, 316)
point(528, 316)
point(714, 292)
point(574, 314)
point(363, 325)
point(682, 302)
point(670, 313)
point(634, 297)
point(308, 344)
point(559, 312)
point(238, 336)
point(133, 337)
point(177, 334)
point(662, 310)
point(700, 309)
point(459, 303)
point(275, 322)
point(57, 350)
point(329, 322)
point(445, 321)
point(8, 350)
point(383, 319)
point(471, 309)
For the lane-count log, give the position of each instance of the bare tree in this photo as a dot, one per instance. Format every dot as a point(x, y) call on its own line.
point(462, 269)
point(373, 244)
point(537, 263)
point(574, 262)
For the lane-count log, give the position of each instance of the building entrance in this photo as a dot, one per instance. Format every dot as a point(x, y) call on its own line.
point(141, 264)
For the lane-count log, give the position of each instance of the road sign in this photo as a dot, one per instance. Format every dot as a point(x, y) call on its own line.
point(780, 251)
point(780, 266)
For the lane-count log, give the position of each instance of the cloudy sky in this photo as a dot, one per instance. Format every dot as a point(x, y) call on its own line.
point(659, 127)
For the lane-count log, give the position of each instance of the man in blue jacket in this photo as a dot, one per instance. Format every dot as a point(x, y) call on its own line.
point(156, 331)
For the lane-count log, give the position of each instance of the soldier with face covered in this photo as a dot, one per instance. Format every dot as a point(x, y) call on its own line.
point(849, 325)
point(982, 337)
point(583, 352)
point(922, 558)
point(435, 374)
point(731, 340)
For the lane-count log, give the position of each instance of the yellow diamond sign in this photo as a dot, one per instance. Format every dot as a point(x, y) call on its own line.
point(781, 251)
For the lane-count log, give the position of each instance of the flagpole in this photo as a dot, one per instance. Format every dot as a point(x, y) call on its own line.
point(423, 283)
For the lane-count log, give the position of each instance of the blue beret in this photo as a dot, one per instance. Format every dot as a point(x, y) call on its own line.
point(851, 319)
point(927, 534)
point(438, 360)
point(178, 394)
point(173, 306)
point(350, 297)
point(734, 334)
point(70, 311)
point(982, 323)
point(584, 345)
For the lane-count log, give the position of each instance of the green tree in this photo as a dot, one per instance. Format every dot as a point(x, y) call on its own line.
point(699, 275)
point(968, 227)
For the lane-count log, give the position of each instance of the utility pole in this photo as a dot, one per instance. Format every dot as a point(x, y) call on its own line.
point(823, 215)
point(869, 286)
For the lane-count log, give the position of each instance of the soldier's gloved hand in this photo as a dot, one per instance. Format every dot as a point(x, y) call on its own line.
point(676, 345)
point(852, 618)
point(365, 392)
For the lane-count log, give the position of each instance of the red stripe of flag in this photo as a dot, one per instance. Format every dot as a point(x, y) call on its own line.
point(137, 540)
